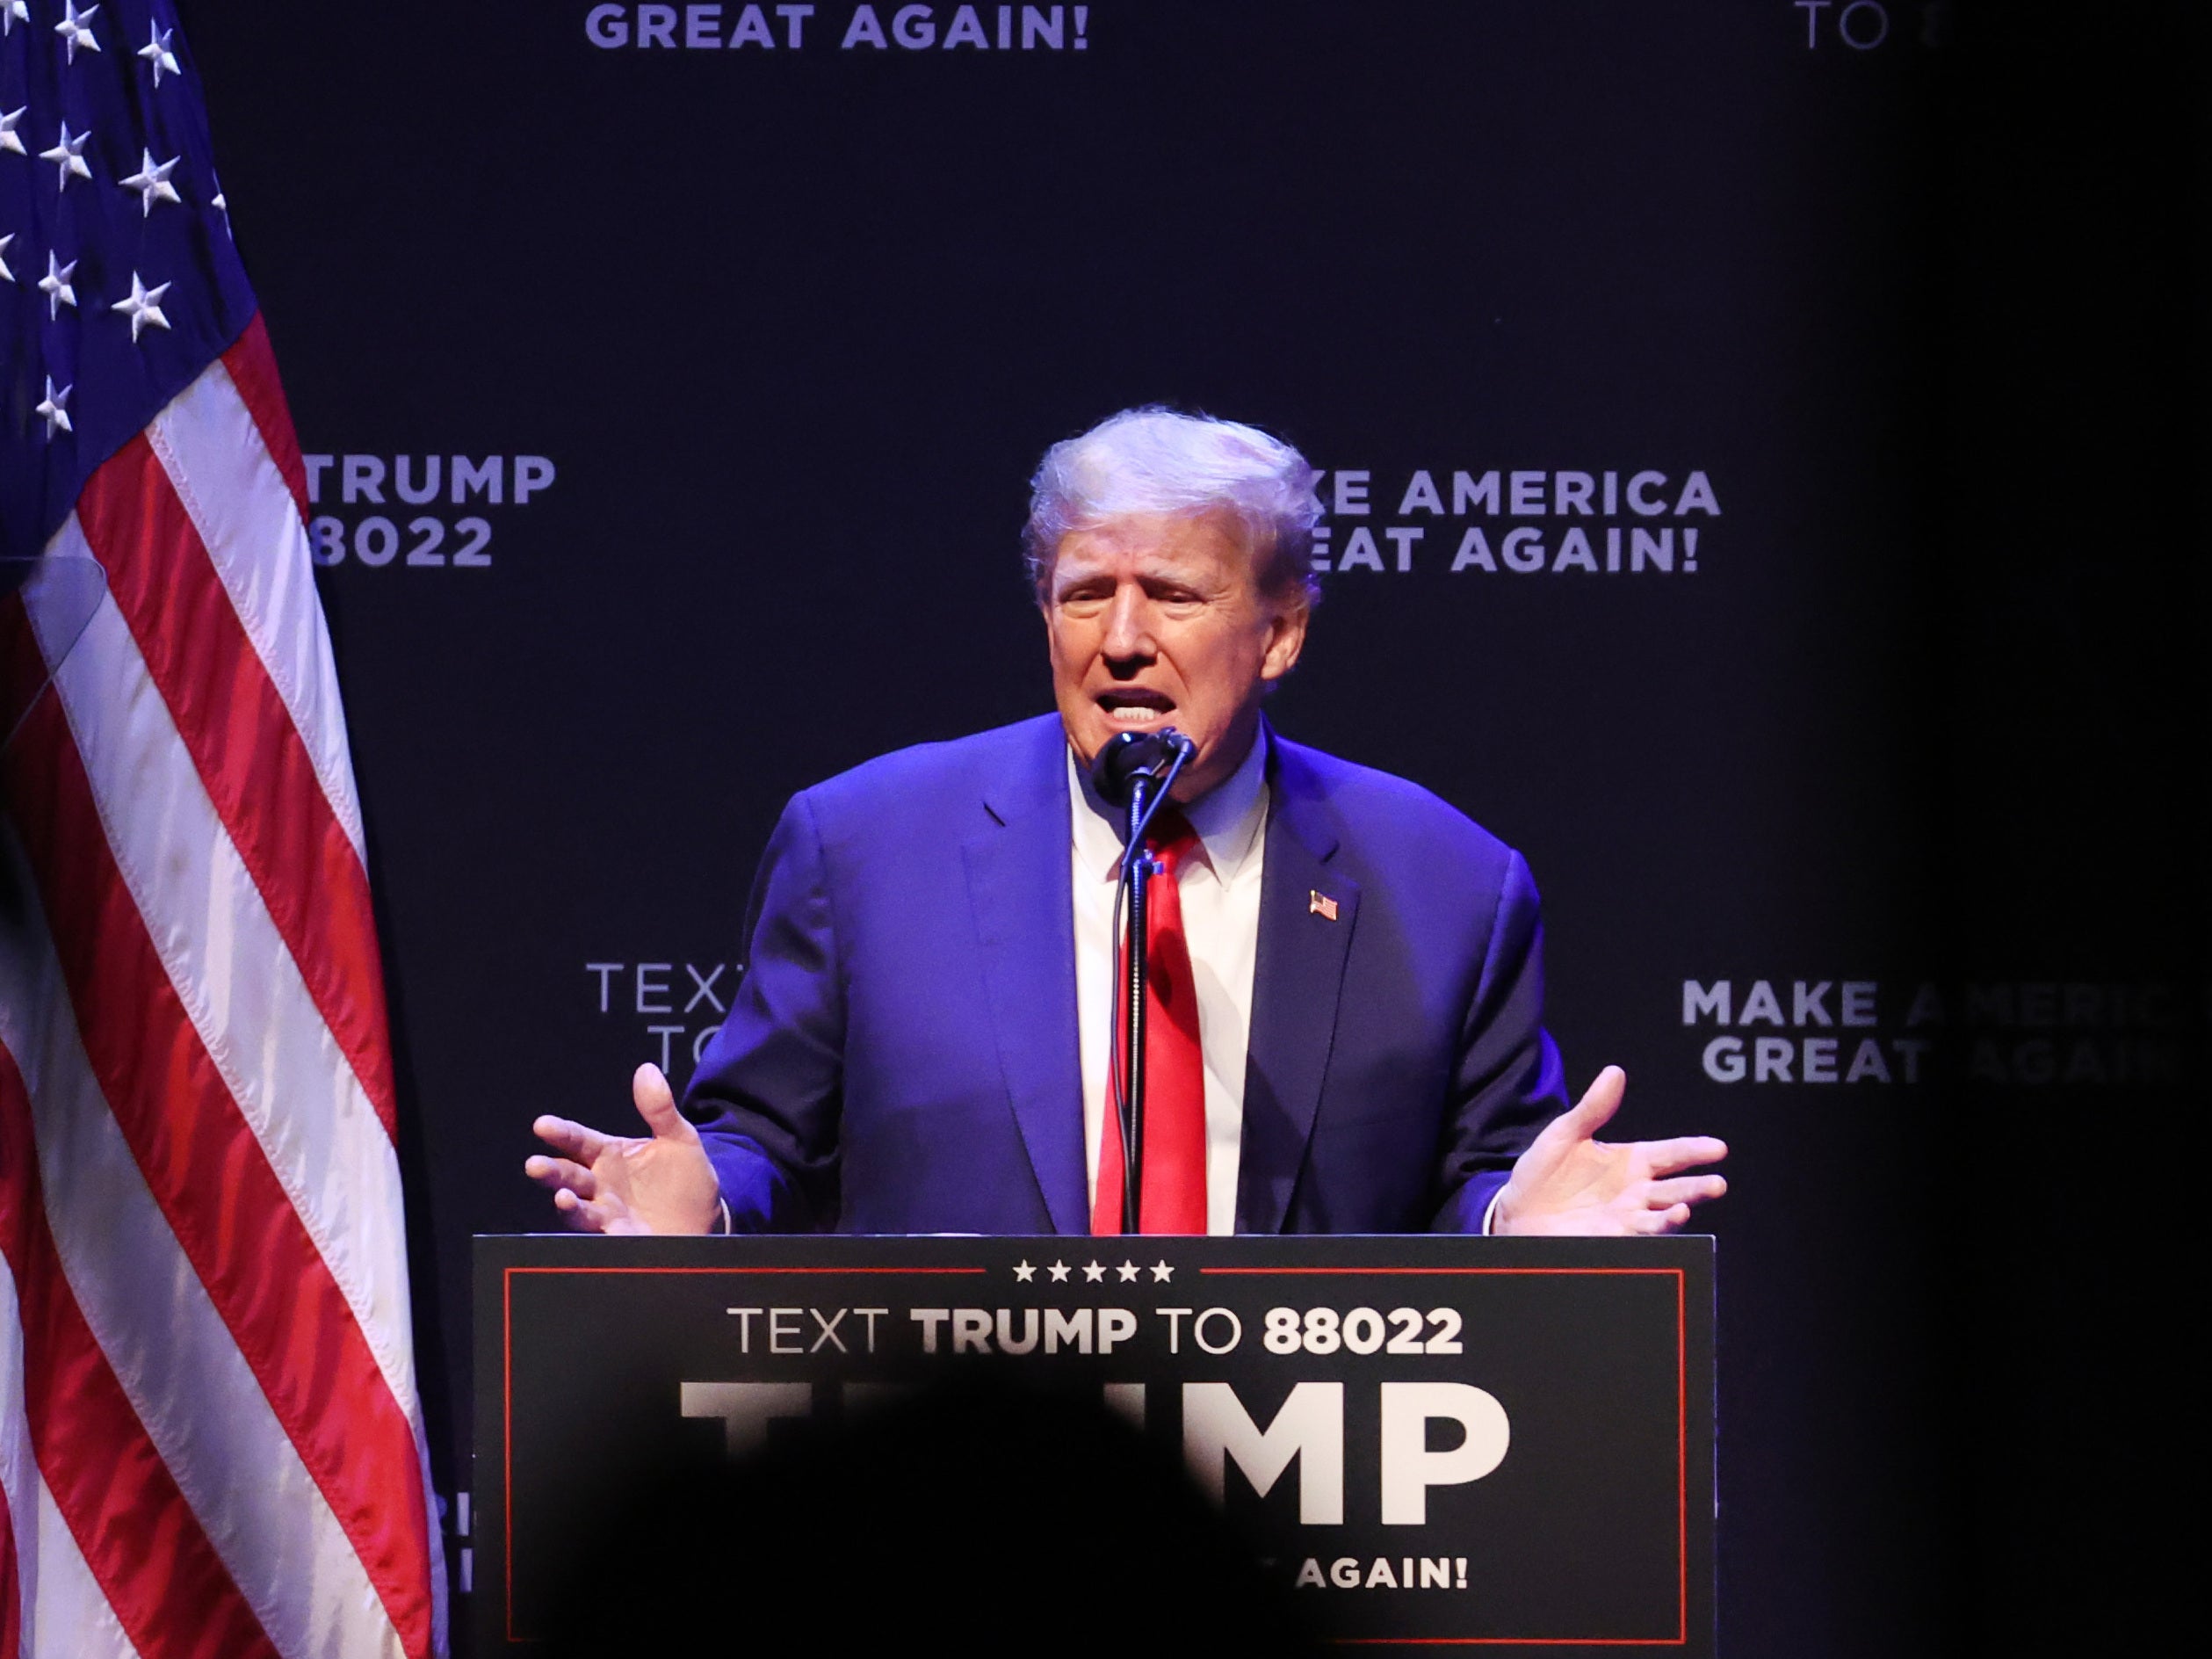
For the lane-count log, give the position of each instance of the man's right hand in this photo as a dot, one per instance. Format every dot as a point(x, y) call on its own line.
point(657, 1182)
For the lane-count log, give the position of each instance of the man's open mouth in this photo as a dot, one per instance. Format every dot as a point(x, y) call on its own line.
point(1136, 708)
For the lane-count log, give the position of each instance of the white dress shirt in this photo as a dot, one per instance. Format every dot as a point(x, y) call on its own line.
point(1219, 888)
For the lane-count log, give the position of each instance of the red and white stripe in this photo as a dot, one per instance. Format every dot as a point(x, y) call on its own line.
point(210, 1439)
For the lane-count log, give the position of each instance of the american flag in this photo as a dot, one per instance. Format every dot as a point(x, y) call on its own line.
point(210, 1437)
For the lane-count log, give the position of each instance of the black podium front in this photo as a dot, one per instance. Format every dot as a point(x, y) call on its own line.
point(1502, 1442)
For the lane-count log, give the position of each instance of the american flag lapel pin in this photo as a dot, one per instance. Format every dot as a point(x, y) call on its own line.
point(1319, 903)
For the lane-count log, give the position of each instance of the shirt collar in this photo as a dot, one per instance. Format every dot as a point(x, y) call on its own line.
point(1228, 818)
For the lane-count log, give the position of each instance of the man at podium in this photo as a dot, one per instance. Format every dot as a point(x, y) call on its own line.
point(1344, 1028)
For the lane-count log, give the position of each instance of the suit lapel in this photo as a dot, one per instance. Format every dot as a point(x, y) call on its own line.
point(1019, 888)
point(1297, 977)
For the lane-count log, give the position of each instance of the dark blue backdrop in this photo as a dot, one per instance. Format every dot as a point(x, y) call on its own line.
point(765, 339)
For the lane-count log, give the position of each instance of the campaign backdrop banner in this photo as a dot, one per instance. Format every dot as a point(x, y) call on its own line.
point(1755, 490)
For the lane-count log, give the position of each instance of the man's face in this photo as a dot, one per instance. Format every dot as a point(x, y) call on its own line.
point(1155, 620)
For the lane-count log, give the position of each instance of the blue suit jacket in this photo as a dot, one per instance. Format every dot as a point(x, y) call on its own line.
point(902, 1053)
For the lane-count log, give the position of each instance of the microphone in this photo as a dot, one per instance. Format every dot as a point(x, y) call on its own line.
point(1131, 773)
point(1130, 757)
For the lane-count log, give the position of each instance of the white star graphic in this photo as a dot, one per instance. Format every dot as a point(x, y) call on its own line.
point(1162, 1273)
point(55, 285)
point(76, 28)
point(6, 275)
point(56, 410)
point(156, 52)
point(1093, 1273)
point(8, 139)
point(1059, 1272)
point(152, 183)
point(143, 305)
point(67, 154)
point(1128, 1271)
point(10, 10)
point(1023, 1272)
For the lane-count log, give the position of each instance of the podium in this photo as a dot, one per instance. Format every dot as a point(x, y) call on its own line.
point(1498, 1442)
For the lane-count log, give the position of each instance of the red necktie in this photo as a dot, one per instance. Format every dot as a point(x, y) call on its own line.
point(1174, 1200)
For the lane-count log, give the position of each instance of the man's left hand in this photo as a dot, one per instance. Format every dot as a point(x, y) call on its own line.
point(1570, 1181)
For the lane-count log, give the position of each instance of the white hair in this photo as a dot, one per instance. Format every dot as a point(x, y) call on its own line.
point(1154, 460)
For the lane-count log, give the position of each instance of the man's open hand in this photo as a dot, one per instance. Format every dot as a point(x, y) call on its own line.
point(1570, 1181)
point(658, 1183)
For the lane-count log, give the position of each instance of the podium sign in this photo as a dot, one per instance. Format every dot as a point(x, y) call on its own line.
point(1503, 1442)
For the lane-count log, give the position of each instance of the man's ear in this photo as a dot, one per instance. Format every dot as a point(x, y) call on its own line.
point(1286, 636)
